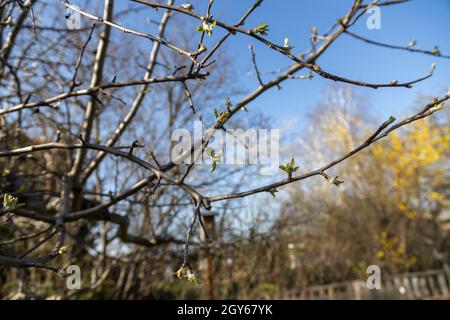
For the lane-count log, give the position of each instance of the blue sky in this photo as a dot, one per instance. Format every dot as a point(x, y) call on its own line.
point(426, 21)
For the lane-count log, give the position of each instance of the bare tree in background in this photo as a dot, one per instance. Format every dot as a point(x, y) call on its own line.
point(86, 121)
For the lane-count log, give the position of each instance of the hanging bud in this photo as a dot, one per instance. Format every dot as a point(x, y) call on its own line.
point(336, 181)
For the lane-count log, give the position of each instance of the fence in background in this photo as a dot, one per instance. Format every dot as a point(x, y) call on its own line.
point(433, 284)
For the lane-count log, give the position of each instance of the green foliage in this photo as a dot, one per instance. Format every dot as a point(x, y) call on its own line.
point(436, 51)
point(215, 158)
point(187, 6)
point(11, 203)
point(286, 45)
point(437, 107)
point(189, 274)
point(62, 250)
point(412, 43)
point(289, 168)
point(262, 29)
point(336, 181)
point(206, 27)
point(221, 117)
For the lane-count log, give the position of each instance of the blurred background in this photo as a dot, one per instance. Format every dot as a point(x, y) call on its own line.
point(310, 239)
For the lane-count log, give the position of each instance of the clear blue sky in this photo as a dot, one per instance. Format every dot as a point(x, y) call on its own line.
point(426, 21)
